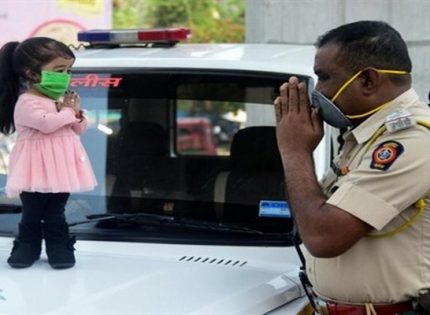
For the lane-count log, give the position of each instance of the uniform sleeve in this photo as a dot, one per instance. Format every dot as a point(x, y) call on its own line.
point(387, 181)
point(34, 114)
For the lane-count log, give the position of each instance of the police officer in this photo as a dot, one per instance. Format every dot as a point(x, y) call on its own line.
point(366, 225)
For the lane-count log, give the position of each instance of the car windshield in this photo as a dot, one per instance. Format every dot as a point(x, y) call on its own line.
point(196, 147)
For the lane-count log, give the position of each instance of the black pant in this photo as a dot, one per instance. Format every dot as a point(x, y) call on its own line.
point(46, 207)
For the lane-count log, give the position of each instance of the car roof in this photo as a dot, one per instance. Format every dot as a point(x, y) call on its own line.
point(278, 58)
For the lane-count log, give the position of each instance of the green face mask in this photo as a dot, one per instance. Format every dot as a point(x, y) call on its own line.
point(53, 84)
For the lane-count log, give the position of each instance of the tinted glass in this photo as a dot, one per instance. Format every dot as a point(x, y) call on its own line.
point(186, 144)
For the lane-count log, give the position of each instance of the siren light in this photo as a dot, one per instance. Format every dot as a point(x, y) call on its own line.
point(168, 36)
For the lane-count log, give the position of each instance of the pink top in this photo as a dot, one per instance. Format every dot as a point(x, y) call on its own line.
point(48, 155)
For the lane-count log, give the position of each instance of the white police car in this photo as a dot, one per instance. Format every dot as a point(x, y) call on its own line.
point(189, 216)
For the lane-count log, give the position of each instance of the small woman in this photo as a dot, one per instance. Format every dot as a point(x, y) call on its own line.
point(48, 161)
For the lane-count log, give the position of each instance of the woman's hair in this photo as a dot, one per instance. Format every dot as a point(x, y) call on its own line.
point(16, 61)
point(368, 44)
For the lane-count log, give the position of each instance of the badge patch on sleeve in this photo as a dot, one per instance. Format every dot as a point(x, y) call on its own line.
point(385, 155)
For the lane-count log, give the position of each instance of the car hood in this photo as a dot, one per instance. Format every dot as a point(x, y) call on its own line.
point(136, 278)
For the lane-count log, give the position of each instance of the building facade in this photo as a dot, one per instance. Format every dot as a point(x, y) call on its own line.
point(302, 21)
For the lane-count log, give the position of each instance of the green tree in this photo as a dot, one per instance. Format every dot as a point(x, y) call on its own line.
point(209, 20)
point(127, 14)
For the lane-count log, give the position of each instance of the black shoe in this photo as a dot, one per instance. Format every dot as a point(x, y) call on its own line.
point(60, 255)
point(24, 254)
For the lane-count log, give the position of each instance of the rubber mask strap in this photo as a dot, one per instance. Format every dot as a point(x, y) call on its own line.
point(377, 108)
point(392, 71)
point(370, 112)
point(345, 85)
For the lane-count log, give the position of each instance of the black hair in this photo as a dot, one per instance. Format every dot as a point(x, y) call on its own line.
point(16, 60)
point(368, 44)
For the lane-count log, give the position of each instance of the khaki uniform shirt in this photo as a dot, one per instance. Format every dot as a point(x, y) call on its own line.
point(388, 269)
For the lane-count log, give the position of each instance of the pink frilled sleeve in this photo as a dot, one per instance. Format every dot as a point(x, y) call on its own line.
point(48, 156)
point(35, 114)
point(81, 126)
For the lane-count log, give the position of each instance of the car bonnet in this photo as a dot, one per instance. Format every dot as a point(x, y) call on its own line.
point(136, 278)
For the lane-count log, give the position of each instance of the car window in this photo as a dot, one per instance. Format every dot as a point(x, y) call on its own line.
point(210, 111)
point(187, 144)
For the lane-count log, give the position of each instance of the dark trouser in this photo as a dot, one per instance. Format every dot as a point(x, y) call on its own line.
point(46, 207)
point(43, 216)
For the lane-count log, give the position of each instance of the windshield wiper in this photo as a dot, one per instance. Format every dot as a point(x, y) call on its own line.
point(164, 220)
point(10, 208)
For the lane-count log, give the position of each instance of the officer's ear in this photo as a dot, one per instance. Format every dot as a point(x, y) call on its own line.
point(371, 80)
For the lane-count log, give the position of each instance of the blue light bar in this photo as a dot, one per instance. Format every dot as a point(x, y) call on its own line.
point(94, 36)
point(136, 36)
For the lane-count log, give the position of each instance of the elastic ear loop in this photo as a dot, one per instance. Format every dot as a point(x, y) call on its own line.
point(367, 113)
point(345, 85)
